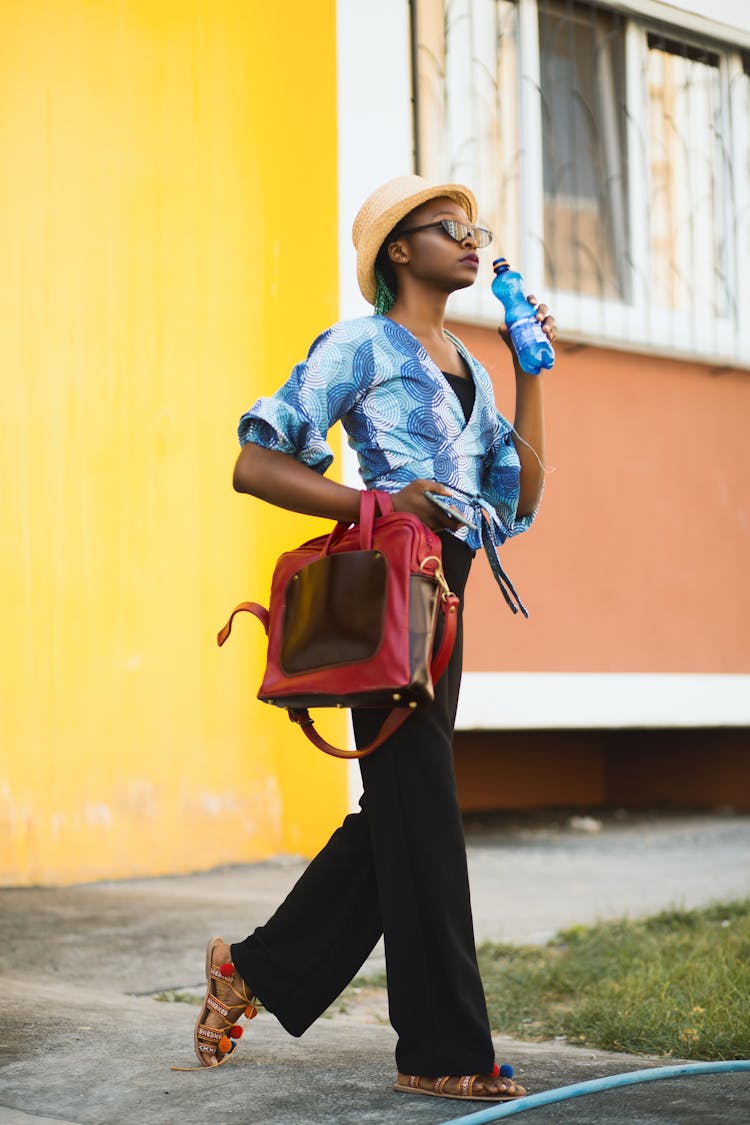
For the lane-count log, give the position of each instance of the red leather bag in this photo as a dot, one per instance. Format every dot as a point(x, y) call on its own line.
point(352, 621)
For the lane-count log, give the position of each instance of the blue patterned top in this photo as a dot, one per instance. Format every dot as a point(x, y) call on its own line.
point(403, 420)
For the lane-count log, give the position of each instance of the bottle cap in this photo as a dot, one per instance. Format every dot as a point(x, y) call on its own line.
point(500, 265)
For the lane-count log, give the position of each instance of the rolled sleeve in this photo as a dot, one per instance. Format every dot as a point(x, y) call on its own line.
point(276, 424)
point(319, 392)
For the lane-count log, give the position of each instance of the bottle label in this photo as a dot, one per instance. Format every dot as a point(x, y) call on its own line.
point(527, 331)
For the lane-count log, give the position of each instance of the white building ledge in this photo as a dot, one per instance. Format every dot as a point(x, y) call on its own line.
point(570, 700)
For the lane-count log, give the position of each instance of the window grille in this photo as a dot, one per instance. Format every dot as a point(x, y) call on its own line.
point(610, 155)
point(584, 152)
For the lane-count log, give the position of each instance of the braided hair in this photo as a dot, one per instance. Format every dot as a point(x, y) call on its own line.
point(385, 278)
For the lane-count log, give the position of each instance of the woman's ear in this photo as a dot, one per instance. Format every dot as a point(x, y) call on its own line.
point(397, 252)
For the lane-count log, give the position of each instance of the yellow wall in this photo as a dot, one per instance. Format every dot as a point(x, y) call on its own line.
point(168, 247)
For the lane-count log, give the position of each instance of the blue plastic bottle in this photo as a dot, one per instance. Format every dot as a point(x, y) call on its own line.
point(533, 349)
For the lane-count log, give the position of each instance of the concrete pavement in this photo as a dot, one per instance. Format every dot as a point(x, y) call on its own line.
point(83, 1039)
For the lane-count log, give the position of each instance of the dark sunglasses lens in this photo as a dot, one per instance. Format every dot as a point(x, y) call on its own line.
point(460, 231)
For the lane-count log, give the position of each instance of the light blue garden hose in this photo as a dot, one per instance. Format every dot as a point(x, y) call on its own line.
point(562, 1093)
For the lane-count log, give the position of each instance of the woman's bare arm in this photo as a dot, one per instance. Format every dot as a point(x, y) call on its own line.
point(281, 480)
point(529, 426)
point(287, 483)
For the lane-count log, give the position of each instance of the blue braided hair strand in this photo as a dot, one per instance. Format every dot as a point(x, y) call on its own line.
point(384, 297)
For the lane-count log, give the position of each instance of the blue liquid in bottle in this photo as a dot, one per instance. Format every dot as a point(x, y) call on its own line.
point(532, 347)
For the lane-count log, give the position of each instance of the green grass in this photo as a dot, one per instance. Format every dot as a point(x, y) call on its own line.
point(676, 984)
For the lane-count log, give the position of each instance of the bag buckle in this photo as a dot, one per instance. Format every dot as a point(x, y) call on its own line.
point(438, 574)
point(301, 717)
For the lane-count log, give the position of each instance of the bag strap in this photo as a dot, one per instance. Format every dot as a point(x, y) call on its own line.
point(394, 720)
point(398, 715)
point(244, 607)
point(368, 502)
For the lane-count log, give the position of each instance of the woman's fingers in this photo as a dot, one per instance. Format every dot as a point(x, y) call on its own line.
point(549, 324)
point(412, 499)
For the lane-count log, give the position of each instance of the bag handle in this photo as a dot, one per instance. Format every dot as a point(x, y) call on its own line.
point(367, 505)
point(244, 607)
point(398, 715)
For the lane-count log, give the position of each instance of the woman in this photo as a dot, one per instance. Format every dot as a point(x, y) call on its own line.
point(419, 410)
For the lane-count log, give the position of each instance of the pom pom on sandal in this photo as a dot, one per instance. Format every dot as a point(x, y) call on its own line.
point(504, 1071)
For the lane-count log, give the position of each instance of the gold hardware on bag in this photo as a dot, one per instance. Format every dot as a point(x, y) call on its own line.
point(437, 573)
point(396, 697)
point(413, 705)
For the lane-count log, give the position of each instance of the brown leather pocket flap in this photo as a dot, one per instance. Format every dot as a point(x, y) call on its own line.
point(334, 611)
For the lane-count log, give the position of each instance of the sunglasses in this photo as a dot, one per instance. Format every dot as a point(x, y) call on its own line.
point(456, 230)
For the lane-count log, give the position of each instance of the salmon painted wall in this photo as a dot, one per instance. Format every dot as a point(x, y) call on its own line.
point(639, 559)
point(169, 169)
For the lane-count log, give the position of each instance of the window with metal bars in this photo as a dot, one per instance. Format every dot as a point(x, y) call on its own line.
point(610, 154)
point(584, 151)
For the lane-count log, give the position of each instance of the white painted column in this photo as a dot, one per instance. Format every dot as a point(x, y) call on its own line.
point(373, 69)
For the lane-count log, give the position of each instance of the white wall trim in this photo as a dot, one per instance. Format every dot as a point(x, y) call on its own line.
point(375, 133)
point(374, 117)
point(616, 700)
point(729, 21)
point(373, 70)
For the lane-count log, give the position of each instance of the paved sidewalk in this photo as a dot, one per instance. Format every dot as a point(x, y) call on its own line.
point(83, 1040)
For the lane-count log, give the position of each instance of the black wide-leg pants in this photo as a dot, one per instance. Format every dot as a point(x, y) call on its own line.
point(398, 868)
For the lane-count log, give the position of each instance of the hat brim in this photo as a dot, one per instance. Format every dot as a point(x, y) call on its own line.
point(373, 229)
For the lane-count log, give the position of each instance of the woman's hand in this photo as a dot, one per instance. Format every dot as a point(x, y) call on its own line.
point(545, 318)
point(412, 499)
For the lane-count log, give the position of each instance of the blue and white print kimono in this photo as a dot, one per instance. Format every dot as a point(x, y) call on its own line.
point(404, 422)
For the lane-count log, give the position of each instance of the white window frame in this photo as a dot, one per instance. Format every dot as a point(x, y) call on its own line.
point(631, 324)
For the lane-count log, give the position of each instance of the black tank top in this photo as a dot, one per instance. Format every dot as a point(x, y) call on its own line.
point(465, 391)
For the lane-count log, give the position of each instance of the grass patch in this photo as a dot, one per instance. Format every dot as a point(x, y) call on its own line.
point(674, 984)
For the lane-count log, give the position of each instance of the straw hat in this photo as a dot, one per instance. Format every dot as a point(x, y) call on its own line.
point(386, 206)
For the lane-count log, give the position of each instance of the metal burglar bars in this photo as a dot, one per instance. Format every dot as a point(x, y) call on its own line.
point(611, 156)
point(584, 150)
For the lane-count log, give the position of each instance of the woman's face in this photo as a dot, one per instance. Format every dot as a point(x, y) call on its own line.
point(432, 256)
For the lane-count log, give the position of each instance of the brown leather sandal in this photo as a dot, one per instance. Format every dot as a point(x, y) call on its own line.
point(438, 1087)
point(227, 995)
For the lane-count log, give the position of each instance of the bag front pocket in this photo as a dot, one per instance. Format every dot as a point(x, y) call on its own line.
point(334, 612)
